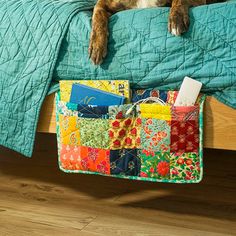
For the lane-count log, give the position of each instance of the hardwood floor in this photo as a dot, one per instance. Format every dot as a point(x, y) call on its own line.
point(38, 199)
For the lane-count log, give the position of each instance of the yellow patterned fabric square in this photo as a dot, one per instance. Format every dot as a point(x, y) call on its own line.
point(155, 111)
point(69, 129)
point(125, 133)
point(119, 87)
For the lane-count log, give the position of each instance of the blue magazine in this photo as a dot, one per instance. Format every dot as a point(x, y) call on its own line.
point(82, 94)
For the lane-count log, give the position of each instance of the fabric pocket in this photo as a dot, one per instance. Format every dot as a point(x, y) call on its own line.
point(151, 142)
point(155, 111)
point(185, 113)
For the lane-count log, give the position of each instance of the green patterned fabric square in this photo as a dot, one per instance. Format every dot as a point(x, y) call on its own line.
point(155, 135)
point(94, 133)
point(155, 164)
point(119, 112)
point(185, 166)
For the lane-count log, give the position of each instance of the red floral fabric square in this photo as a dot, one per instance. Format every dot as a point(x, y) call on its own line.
point(155, 164)
point(184, 136)
point(185, 166)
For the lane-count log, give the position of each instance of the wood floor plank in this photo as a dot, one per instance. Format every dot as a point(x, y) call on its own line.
point(128, 227)
point(36, 198)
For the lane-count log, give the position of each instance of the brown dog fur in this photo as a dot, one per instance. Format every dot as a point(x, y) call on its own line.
point(178, 19)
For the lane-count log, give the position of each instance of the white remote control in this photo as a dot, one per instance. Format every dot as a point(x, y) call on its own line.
point(188, 92)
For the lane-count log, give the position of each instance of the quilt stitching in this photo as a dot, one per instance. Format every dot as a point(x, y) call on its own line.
point(155, 135)
point(25, 78)
point(94, 133)
point(155, 164)
point(169, 78)
point(185, 166)
point(124, 133)
point(184, 136)
point(27, 64)
point(160, 165)
point(125, 162)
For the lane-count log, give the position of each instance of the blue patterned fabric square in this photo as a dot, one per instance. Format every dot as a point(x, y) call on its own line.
point(125, 162)
point(90, 111)
point(143, 94)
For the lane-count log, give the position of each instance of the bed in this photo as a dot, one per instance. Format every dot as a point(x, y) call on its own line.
point(219, 123)
point(161, 61)
point(51, 44)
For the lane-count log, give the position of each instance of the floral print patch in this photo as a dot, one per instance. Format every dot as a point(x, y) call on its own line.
point(155, 164)
point(69, 129)
point(155, 135)
point(63, 108)
point(125, 162)
point(94, 133)
point(85, 159)
point(185, 166)
point(184, 136)
point(125, 133)
point(119, 112)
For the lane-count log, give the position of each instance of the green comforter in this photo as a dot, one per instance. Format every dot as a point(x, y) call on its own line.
point(37, 43)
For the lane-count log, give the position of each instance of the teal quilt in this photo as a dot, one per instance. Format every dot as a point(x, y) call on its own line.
point(41, 40)
point(31, 32)
point(142, 51)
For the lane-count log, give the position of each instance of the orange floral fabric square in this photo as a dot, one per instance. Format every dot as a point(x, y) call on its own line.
point(85, 159)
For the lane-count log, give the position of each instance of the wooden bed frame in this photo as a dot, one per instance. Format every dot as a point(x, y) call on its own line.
point(219, 123)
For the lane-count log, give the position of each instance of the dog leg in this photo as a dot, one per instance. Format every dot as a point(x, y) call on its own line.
point(99, 34)
point(179, 18)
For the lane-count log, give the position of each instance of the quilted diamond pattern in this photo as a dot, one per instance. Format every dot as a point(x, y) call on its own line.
point(33, 49)
point(31, 32)
point(141, 50)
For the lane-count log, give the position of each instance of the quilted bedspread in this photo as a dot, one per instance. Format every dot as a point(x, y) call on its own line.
point(31, 32)
point(42, 39)
point(141, 50)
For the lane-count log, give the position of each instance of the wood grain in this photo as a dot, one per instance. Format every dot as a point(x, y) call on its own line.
point(38, 199)
point(47, 119)
point(219, 123)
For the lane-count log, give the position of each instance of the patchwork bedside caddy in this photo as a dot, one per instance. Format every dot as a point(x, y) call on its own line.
point(152, 143)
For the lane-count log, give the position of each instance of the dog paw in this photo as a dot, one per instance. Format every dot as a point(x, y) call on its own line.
point(97, 49)
point(178, 21)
